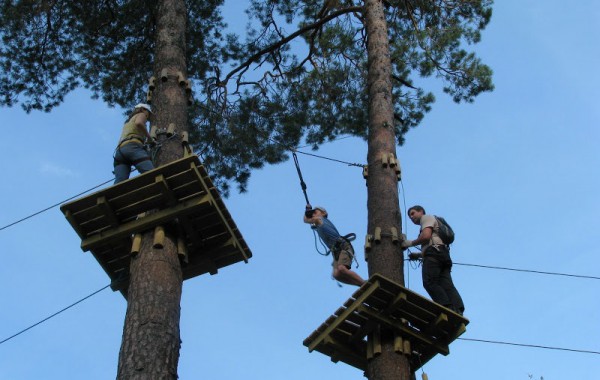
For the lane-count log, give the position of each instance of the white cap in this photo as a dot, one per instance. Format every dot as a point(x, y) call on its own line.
point(144, 106)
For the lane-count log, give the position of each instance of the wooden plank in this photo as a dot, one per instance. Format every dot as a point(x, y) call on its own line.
point(381, 302)
point(342, 316)
point(221, 209)
point(74, 224)
point(132, 186)
point(107, 211)
point(169, 196)
point(363, 331)
point(423, 305)
point(146, 222)
point(199, 265)
point(398, 302)
point(340, 351)
point(405, 330)
point(181, 191)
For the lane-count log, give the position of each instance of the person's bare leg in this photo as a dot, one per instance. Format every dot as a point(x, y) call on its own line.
point(347, 276)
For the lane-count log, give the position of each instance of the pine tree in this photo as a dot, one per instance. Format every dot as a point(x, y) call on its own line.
point(356, 75)
point(112, 48)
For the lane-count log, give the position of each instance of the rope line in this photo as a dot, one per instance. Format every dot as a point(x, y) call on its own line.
point(531, 346)
point(302, 183)
point(465, 339)
point(529, 271)
point(112, 179)
point(53, 315)
point(54, 205)
point(520, 270)
point(330, 159)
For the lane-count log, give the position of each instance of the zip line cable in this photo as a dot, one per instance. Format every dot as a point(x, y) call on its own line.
point(110, 180)
point(405, 230)
point(53, 315)
point(303, 185)
point(66, 200)
point(532, 346)
point(54, 205)
point(529, 271)
point(522, 270)
point(465, 339)
point(328, 158)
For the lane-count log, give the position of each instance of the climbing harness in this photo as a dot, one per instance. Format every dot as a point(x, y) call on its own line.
point(339, 245)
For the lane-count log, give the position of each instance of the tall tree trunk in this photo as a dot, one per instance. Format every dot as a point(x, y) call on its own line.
point(384, 258)
point(151, 341)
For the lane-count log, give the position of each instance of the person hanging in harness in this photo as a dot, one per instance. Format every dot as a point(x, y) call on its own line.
point(340, 247)
point(130, 151)
point(437, 263)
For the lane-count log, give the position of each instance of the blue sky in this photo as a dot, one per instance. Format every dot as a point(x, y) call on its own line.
point(515, 173)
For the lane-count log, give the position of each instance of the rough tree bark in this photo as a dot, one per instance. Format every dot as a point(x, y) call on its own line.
point(382, 202)
point(151, 340)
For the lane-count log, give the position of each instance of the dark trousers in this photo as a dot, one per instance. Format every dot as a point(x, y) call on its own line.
point(437, 279)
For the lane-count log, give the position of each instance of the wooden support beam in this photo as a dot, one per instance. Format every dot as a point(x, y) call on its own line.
point(398, 344)
point(219, 211)
point(439, 323)
point(159, 237)
point(340, 318)
point(398, 302)
point(136, 244)
point(363, 331)
point(182, 251)
point(339, 351)
point(407, 349)
point(185, 226)
point(108, 211)
point(162, 216)
point(165, 189)
point(405, 330)
point(375, 341)
point(461, 330)
point(74, 224)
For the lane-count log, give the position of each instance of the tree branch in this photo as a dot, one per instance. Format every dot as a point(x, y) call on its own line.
point(289, 38)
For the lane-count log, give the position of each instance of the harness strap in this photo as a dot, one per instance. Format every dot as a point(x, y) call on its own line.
point(129, 138)
point(135, 162)
point(337, 247)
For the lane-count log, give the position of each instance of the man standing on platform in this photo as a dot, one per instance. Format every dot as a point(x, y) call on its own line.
point(437, 264)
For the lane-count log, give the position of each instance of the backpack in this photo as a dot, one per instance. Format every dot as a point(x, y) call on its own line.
point(445, 232)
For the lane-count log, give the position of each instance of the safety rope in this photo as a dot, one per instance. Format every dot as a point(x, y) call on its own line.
point(348, 238)
point(302, 183)
point(155, 148)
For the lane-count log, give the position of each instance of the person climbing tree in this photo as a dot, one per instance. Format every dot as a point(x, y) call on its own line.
point(340, 246)
point(130, 150)
point(437, 264)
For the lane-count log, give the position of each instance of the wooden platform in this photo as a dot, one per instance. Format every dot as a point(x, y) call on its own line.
point(380, 305)
point(181, 195)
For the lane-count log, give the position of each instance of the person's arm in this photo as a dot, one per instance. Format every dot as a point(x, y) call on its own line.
point(140, 123)
point(311, 219)
point(316, 220)
point(423, 238)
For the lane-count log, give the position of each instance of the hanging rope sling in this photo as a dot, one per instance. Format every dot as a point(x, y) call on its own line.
point(302, 183)
point(337, 248)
